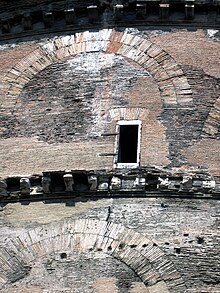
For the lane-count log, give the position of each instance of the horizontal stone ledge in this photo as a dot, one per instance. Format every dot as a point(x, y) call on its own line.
point(78, 196)
point(140, 182)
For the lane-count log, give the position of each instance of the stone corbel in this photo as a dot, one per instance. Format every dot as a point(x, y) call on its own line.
point(27, 21)
point(70, 16)
point(163, 183)
point(92, 13)
point(189, 9)
point(46, 181)
point(93, 182)
point(187, 183)
point(139, 183)
point(68, 181)
point(115, 183)
point(118, 11)
point(25, 186)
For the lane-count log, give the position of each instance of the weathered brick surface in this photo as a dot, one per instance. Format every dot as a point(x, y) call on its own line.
point(55, 109)
point(187, 125)
point(116, 276)
point(192, 48)
point(169, 76)
point(74, 105)
point(32, 155)
point(212, 123)
point(188, 94)
point(205, 152)
point(186, 230)
point(67, 101)
point(83, 236)
point(9, 57)
point(153, 135)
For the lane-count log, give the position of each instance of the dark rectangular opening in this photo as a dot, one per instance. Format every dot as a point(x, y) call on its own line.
point(128, 144)
point(57, 182)
point(13, 184)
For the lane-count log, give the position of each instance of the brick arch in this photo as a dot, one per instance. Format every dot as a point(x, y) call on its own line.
point(173, 85)
point(143, 256)
point(212, 123)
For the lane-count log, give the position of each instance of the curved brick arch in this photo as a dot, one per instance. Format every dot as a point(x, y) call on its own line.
point(168, 75)
point(135, 250)
point(212, 123)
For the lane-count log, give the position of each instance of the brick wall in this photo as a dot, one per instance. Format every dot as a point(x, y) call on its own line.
point(199, 58)
point(73, 100)
point(65, 109)
point(186, 230)
point(192, 48)
point(54, 120)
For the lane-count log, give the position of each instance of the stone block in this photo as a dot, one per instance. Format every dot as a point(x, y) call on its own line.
point(208, 184)
point(127, 184)
point(197, 183)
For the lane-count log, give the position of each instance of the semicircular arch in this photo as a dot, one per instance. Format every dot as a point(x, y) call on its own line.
point(172, 83)
point(138, 252)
